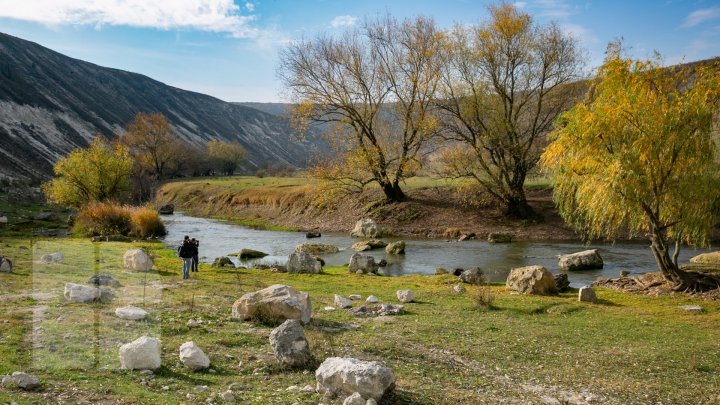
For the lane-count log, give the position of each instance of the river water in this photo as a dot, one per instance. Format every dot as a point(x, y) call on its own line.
point(423, 256)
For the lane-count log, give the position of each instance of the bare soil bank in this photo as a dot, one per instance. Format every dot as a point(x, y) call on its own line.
point(433, 212)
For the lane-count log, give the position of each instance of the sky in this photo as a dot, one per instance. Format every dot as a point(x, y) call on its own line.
point(229, 49)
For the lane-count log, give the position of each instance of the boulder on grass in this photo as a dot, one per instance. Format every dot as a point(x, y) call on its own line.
point(531, 280)
point(131, 313)
point(274, 304)
point(103, 279)
point(5, 265)
point(585, 260)
point(303, 262)
point(473, 276)
point(316, 248)
point(342, 302)
point(223, 261)
point(362, 263)
point(289, 344)
point(24, 381)
point(587, 294)
point(85, 294)
point(395, 248)
point(370, 244)
point(405, 296)
point(140, 354)
point(53, 258)
point(193, 357)
point(343, 377)
point(137, 259)
point(365, 228)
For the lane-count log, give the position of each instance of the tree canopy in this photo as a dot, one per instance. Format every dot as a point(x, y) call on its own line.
point(637, 157)
point(226, 156)
point(100, 172)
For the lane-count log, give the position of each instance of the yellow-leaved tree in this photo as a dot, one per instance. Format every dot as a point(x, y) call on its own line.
point(100, 172)
point(637, 158)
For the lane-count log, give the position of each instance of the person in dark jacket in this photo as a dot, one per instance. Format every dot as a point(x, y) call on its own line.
point(186, 251)
point(195, 258)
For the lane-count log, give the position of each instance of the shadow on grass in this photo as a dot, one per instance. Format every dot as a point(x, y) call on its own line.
point(399, 396)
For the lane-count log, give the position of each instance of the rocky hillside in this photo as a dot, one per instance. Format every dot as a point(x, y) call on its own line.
point(51, 104)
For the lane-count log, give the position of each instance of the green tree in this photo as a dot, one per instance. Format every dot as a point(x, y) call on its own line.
point(100, 172)
point(637, 156)
point(375, 84)
point(504, 83)
point(226, 156)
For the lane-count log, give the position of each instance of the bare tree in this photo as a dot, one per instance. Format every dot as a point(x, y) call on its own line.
point(375, 84)
point(504, 83)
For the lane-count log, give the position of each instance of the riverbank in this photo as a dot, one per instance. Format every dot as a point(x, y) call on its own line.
point(434, 208)
point(446, 348)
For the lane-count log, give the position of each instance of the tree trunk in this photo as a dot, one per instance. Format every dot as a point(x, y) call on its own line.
point(516, 205)
point(392, 191)
point(681, 280)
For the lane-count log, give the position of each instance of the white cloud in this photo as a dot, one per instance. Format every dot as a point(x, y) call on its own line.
point(250, 6)
point(204, 15)
point(343, 21)
point(700, 16)
point(579, 32)
point(557, 9)
point(520, 4)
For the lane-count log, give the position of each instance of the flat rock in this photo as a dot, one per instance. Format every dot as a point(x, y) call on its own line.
point(245, 254)
point(274, 304)
point(355, 297)
point(499, 237)
point(372, 299)
point(53, 258)
point(693, 308)
point(585, 260)
point(131, 313)
point(316, 248)
point(368, 245)
point(104, 280)
point(343, 377)
point(85, 294)
point(140, 354)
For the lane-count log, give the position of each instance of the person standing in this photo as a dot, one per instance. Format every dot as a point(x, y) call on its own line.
point(195, 258)
point(185, 251)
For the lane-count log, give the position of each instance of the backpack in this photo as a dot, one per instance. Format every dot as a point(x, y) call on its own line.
point(184, 250)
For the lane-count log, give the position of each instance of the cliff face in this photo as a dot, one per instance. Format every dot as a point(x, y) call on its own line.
point(51, 104)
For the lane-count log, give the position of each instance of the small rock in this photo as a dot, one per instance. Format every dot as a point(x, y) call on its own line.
point(308, 389)
point(103, 279)
point(342, 302)
point(368, 245)
point(458, 289)
point(292, 388)
point(405, 296)
point(194, 323)
point(395, 248)
point(329, 309)
point(457, 271)
point(371, 401)
point(167, 209)
point(473, 276)
point(131, 313)
point(561, 282)
point(693, 308)
point(390, 309)
point(201, 388)
point(316, 248)
point(50, 258)
point(311, 235)
point(223, 261)
point(5, 265)
point(25, 381)
point(372, 299)
point(227, 396)
point(467, 236)
point(190, 397)
point(165, 388)
point(354, 399)
point(440, 271)
point(193, 357)
point(355, 297)
point(587, 294)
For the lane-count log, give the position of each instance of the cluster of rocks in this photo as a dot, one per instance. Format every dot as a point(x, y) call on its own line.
point(144, 354)
point(369, 244)
point(373, 306)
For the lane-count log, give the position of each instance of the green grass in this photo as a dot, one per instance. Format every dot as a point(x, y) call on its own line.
point(445, 349)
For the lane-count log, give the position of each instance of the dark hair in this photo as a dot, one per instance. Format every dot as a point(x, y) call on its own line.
point(186, 237)
point(193, 239)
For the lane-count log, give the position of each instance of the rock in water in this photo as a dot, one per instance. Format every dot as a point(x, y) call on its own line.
point(303, 262)
point(587, 294)
point(366, 228)
point(137, 259)
point(339, 376)
point(289, 344)
point(531, 280)
point(362, 263)
point(395, 248)
point(131, 313)
point(193, 357)
point(473, 276)
point(342, 302)
point(274, 304)
point(316, 248)
point(167, 209)
point(223, 262)
point(585, 260)
point(368, 245)
point(311, 235)
point(50, 258)
point(27, 382)
point(499, 237)
point(84, 294)
point(141, 354)
point(5, 265)
point(245, 254)
point(561, 282)
point(405, 296)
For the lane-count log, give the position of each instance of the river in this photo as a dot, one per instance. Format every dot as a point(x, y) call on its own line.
point(423, 256)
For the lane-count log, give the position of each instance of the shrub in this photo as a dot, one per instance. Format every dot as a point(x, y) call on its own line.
point(103, 218)
point(484, 298)
point(146, 222)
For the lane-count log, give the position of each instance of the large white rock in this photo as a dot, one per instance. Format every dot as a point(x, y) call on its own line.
point(131, 313)
point(137, 259)
point(290, 345)
point(5, 265)
point(531, 280)
point(365, 228)
point(342, 302)
point(274, 304)
point(82, 293)
point(303, 262)
point(585, 260)
point(140, 354)
point(193, 357)
point(339, 376)
point(362, 263)
point(405, 296)
point(49, 258)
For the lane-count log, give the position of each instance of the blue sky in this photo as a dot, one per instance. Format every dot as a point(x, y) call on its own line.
point(229, 49)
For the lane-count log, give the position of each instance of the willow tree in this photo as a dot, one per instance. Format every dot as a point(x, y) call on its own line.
point(637, 156)
point(374, 85)
point(504, 83)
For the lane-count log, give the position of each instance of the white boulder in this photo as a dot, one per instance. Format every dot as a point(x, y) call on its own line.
point(131, 313)
point(365, 228)
point(405, 296)
point(372, 299)
point(274, 304)
point(342, 302)
point(82, 293)
point(193, 357)
point(531, 280)
point(339, 376)
point(137, 259)
point(140, 354)
point(585, 260)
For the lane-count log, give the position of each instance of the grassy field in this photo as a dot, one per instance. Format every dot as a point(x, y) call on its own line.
point(445, 349)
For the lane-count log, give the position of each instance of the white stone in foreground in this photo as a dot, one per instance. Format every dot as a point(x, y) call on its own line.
point(193, 357)
point(131, 313)
point(140, 354)
point(339, 376)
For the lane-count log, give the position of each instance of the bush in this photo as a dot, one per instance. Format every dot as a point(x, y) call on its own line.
point(484, 299)
point(146, 222)
point(106, 218)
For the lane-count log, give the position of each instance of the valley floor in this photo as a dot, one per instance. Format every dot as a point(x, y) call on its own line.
point(627, 349)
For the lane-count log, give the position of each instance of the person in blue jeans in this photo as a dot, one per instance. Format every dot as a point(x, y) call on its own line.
point(186, 251)
point(195, 258)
